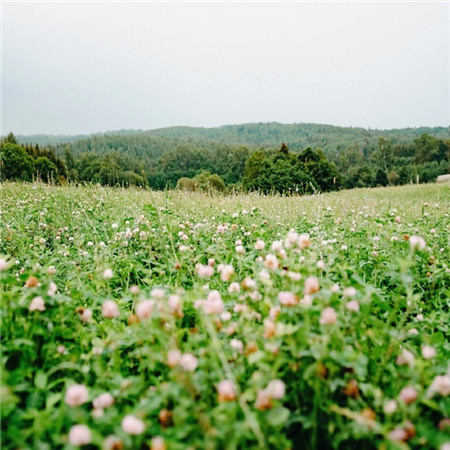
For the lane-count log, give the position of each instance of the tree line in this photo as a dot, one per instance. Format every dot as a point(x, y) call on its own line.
point(190, 163)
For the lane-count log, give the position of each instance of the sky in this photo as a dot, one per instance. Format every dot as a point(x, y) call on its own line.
point(84, 67)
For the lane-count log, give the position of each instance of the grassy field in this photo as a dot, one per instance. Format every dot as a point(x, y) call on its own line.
point(169, 320)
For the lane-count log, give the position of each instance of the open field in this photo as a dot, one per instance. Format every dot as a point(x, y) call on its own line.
point(170, 320)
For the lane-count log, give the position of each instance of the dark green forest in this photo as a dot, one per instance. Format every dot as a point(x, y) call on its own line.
point(270, 158)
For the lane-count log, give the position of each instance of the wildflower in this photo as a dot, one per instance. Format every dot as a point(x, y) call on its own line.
point(303, 240)
point(175, 304)
point(227, 391)
point(240, 249)
point(157, 443)
point(226, 316)
point(237, 345)
point(255, 296)
point(108, 274)
point(86, 315)
point(321, 265)
point(76, 395)
point(80, 435)
point(132, 425)
point(173, 358)
point(398, 434)
point(134, 290)
point(311, 285)
point(157, 293)
point(335, 288)
point(234, 287)
point(406, 358)
point(110, 309)
point(349, 292)
point(408, 395)
point(61, 349)
point(271, 262)
point(227, 272)
point(288, 298)
point(276, 389)
point(263, 400)
point(213, 303)
point(204, 271)
point(248, 283)
point(428, 352)
point(440, 385)
point(328, 316)
point(277, 246)
point(264, 275)
point(274, 312)
point(112, 442)
point(188, 362)
point(3, 264)
point(52, 289)
point(37, 304)
point(352, 305)
point(416, 243)
point(291, 239)
point(294, 276)
point(32, 282)
point(270, 329)
point(103, 401)
point(259, 244)
point(390, 407)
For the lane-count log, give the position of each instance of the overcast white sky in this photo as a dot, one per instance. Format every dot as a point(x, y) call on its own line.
point(73, 67)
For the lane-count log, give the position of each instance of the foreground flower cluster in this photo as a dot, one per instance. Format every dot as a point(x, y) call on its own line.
point(133, 320)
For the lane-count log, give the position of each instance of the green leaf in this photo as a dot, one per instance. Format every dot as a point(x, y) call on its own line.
point(40, 380)
point(278, 416)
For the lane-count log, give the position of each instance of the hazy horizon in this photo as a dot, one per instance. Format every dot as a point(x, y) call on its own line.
point(220, 126)
point(84, 68)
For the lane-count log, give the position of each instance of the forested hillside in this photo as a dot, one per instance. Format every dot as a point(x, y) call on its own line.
point(270, 157)
point(329, 138)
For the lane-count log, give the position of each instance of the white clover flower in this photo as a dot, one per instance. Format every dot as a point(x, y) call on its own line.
point(157, 293)
point(108, 274)
point(132, 425)
point(110, 309)
point(311, 285)
point(80, 435)
point(428, 352)
point(37, 304)
point(417, 243)
point(226, 390)
point(188, 362)
point(440, 385)
point(103, 401)
point(288, 298)
point(328, 316)
point(76, 395)
point(260, 244)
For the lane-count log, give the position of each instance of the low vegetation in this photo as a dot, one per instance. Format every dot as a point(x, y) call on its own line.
point(173, 320)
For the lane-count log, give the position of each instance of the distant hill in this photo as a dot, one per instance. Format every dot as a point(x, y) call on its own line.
point(50, 139)
point(299, 136)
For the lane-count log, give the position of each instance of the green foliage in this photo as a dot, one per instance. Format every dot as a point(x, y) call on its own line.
point(16, 164)
point(426, 149)
point(336, 303)
point(45, 169)
point(333, 157)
